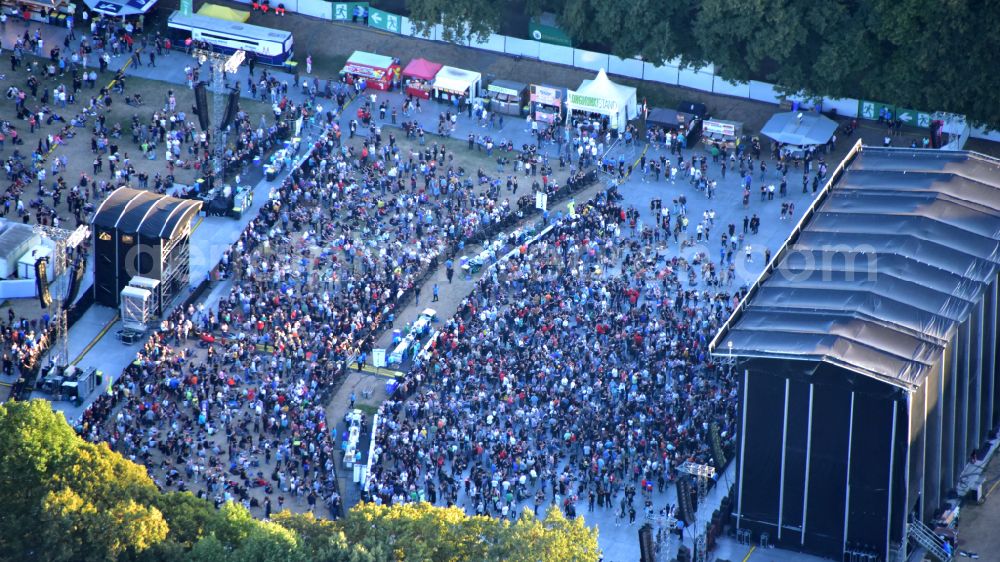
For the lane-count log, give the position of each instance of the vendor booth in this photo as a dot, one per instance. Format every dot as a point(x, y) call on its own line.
point(547, 103)
point(418, 77)
point(451, 82)
point(54, 12)
point(673, 121)
point(721, 133)
point(377, 71)
point(601, 101)
point(507, 97)
point(801, 129)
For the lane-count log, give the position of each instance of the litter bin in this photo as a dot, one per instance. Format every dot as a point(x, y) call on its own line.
point(390, 387)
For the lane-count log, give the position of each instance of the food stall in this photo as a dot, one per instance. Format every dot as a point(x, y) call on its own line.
point(418, 77)
point(547, 103)
point(377, 71)
point(722, 133)
point(602, 102)
point(674, 121)
point(54, 12)
point(507, 97)
point(451, 82)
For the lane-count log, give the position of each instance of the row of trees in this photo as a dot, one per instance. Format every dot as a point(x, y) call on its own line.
point(923, 55)
point(65, 499)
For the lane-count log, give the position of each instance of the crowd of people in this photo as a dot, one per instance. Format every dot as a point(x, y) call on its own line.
point(577, 371)
point(228, 401)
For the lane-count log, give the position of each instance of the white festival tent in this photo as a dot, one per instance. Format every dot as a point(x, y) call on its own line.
point(603, 96)
point(457, 81)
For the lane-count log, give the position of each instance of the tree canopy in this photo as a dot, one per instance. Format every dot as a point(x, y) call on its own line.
point(68, 500)
point(914, 54)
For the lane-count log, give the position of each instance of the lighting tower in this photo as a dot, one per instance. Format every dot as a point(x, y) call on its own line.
point(65, 240)
point(220, 65)
point(702, 473)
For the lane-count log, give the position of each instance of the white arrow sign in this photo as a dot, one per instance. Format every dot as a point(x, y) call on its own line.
point(906, 117)
point(376, 17)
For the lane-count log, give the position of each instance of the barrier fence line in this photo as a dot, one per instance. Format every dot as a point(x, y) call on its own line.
point(668, 72)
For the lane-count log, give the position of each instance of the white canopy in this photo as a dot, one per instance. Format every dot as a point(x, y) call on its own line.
point(603, 96)
point(458, 81)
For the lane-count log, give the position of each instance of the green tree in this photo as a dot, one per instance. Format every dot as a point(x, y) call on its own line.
point(74, 529)
point(423, 532)
point(35, 444)
point(86, 503)
point(477, 19)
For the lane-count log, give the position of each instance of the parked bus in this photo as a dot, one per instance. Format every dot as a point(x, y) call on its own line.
point(271, 46)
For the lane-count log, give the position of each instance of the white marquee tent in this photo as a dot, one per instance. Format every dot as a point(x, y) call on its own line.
point(457, 81)
point(603, 96)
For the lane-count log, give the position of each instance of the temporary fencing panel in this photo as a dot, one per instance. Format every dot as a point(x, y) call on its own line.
point(555, 53)
point(725, 87)
point(522, 47)
point(589, 60)
point(662, 74)
point(695, 79)
point(762, 91)
point(845, 107)
point(315, 8)
point(495, 43)
point(625, 67)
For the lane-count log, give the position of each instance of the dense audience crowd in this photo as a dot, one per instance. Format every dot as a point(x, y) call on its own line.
point(228, 401)
point(577, 369)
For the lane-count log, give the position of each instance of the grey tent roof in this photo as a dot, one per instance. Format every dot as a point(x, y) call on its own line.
point(142, 212)
point(669, 117)
point(893, 257)
point(788, 128)
point(13, 237)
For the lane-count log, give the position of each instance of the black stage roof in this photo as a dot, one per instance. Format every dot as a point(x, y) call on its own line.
point(894, 254)
point(142, 212)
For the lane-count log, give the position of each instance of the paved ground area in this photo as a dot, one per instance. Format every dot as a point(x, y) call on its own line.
point(977, 527)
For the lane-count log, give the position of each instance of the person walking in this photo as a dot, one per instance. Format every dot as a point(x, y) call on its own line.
point(435, 290)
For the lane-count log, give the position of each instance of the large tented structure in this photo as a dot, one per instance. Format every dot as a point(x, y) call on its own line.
point(140, 233)
point(867, 354)
point(605, 97)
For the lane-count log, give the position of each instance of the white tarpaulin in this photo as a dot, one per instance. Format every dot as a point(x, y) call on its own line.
point(603, 96)
point(458, 81)
point(801, 129)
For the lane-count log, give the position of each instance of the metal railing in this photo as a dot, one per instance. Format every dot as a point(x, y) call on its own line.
point(925, 537)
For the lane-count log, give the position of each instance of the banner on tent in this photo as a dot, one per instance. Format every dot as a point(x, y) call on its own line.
point(546, 95)
point(719, 128)
point(590, 102)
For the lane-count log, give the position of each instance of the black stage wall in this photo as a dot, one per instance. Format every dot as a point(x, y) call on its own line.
point(804, 424)
point(831, 459)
